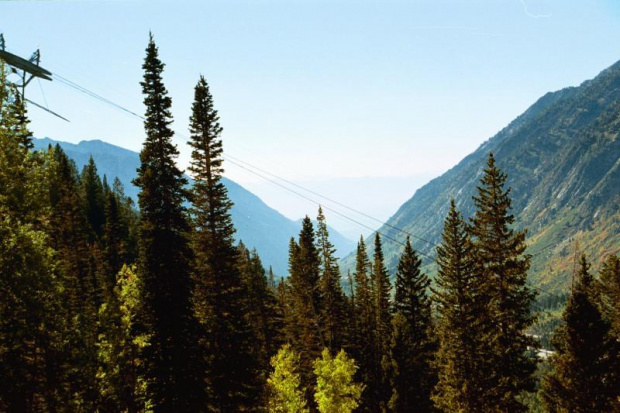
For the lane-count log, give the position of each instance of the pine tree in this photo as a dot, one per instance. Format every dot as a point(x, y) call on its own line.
point(383, 322)
point(336, 392)
point(585, 373)
point(220, 296)
point(76, 266)
point(413, 346)
point(282, 297)
point(333, 314)
point(129, 218)
point(272, 280)
point(500, 252)
point(23, 192)
point(114, 240)
point(364, 335)
point(609, 293)
point(303, 322)
point(285, 391)
point(171, 363)
point(462, 332)
point(20, 126)
point(262, 313)
point(93, 199)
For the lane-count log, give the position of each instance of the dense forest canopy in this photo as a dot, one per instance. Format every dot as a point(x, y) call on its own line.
point(114, 307)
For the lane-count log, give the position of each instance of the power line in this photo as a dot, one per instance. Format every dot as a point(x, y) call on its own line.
point(186, 139)
point(240, 163)
point(102, 99)
point(331, 200)
point(325, 206)
point(94, 95)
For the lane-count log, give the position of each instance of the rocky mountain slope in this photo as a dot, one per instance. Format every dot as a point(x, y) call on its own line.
point(562, 157)
point(257, 225)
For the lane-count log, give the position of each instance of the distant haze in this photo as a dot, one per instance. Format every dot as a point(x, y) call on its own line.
point(378, 197)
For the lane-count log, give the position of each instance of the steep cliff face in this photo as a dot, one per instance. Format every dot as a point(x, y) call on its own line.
point(562, 157)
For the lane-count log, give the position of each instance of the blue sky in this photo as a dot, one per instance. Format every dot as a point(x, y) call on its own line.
point(315, 90)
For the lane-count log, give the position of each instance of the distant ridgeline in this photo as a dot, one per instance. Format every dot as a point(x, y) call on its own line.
point(257, 225)
point(562, 158)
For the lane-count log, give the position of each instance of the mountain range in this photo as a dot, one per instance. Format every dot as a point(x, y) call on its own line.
point(256, 224)
point(562, 158)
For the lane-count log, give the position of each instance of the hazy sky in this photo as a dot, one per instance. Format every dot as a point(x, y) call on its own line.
point(311, 90)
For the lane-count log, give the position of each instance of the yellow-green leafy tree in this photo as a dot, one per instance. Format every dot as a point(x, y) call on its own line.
point(121, 386)
point(285, 393)
point(336, 392)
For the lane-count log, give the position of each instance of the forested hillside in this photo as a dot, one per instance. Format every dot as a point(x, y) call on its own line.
point(257, 225)
point(562, 157)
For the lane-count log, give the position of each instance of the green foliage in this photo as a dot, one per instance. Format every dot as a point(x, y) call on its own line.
point(172, 366)
point(284, 382)
point(380, 285)
point(381, 292)
point(28, 319)
point(500, 257)
point(412, 346)
point(364, 347)
point(462, 333)
point(304, 307)
point(32, 327)
point(334, 306)
point(120, 385)
point(220, 296)
point(93, 198)
point(262, 313)
point(336, 392)
point(585, 370)
point(119, 235)
point(77, 272)
point(609, 293)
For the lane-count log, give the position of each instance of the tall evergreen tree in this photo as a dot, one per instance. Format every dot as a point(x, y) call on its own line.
point(170, 361)
point(413, 346)
point(272, 280)
point(21, 121)
point(262, 310)
point(462, 332)
point(500, 253)
point(115, 234)
point(303, 326)
point(282, 297)
point(383, 321)
point(363, 330)
point(220, 296)
point(333, 312)
point(93, 199)
point(585, 374)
